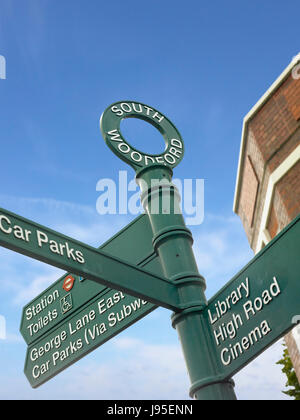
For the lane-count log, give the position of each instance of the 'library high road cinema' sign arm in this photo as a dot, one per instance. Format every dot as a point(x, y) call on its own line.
point(110, 127)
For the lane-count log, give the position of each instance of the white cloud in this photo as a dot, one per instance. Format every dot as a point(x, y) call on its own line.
point(28, 292)
point(134, 369)
point(58, 208)
point(127, 343)
point(91, 233)
point(12, 338)
point(221, 250)
point(78, 221)
point(262, 379)
point(139, 371)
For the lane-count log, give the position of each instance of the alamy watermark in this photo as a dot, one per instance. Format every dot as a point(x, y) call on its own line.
point(2, 67)
point(2, 328)
point(296, 330)
point(296, 319)
point(123, 197)
point(296, 72)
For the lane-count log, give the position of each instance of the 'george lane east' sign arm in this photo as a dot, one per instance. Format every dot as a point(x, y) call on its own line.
point(43, 244)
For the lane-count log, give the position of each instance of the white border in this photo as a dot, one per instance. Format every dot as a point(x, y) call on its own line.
point(264, 236)
point(296, 336)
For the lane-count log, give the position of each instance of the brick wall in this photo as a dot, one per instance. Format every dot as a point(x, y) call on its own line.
point(251, 177)
point(273, 223)
point(278, 119)
point(273, 133)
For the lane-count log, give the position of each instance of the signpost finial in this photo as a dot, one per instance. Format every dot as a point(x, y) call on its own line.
point(110, 128)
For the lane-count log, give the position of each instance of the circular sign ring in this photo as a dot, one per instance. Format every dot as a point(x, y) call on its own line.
point(110, 127)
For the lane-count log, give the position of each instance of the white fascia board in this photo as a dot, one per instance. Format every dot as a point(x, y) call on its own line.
point(275, 177)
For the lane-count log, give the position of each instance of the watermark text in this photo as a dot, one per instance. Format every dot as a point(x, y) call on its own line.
point(123, 197)
point(296, 72)
point(2, 67)
point(2, 328)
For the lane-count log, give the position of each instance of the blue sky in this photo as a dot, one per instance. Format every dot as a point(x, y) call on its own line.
point(204, 65)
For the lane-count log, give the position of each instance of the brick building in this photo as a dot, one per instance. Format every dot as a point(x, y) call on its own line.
point(267, 194)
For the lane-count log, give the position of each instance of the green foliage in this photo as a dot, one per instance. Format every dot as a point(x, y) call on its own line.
point(288, 370)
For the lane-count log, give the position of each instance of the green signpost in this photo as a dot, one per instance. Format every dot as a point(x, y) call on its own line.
point(108, 289)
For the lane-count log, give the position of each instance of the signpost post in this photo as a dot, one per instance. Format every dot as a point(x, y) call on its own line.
point(171, 239)
point(218, 338)
point(209, 333)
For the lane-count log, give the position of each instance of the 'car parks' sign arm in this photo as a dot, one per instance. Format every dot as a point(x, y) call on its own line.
point(43, 244)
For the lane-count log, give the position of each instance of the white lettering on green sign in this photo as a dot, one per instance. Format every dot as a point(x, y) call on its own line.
point(171, 157)
point(80, 332)
point(124, 108)
point(225, 333)
point(110, 127)
point(35, 310)
point(60, 248)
